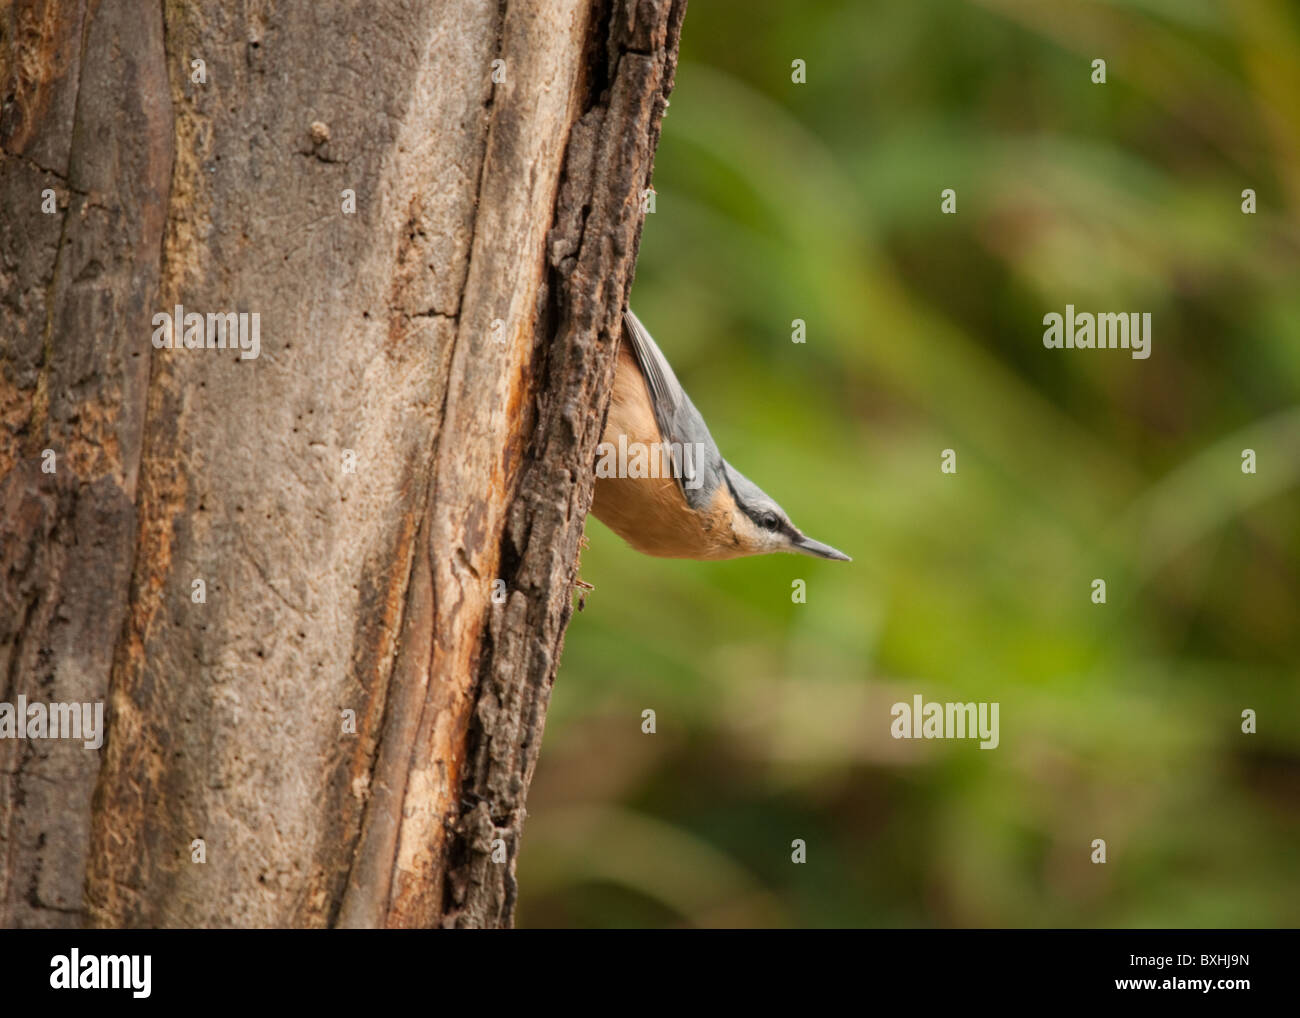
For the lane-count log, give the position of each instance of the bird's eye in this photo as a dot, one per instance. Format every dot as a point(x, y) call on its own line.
point(769, 521)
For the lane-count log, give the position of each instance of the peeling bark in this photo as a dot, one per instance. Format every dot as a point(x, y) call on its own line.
point(453, 338)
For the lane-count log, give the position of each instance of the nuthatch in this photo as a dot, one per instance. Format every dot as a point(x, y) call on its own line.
point(698, 506)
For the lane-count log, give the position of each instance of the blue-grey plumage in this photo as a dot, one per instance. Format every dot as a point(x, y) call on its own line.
point(698, 505)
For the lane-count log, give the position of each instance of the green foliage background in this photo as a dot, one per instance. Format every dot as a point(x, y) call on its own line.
point(821, 201)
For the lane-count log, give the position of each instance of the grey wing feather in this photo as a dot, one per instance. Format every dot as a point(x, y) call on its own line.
point(679, 422)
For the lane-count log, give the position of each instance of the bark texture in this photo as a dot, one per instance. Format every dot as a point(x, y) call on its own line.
point(420, 423)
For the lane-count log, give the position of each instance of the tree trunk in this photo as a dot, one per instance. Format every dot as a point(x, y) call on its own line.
point(240, 554)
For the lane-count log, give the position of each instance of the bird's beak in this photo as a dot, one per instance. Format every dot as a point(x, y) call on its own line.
point(807, 546)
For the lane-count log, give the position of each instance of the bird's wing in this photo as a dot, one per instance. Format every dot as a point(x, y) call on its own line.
point(665, 390)
point(680, 424)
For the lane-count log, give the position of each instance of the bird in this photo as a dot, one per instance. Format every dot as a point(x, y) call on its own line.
point(662, 484)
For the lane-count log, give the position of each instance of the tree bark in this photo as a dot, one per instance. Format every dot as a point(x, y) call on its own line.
point(420, 422)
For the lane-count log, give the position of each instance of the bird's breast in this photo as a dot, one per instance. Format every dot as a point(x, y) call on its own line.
point(651, 513)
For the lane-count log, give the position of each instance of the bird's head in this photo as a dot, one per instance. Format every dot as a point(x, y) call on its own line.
point(761, 527)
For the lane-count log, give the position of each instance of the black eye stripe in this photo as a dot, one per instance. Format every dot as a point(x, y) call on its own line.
point(767, 519)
